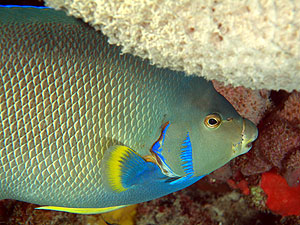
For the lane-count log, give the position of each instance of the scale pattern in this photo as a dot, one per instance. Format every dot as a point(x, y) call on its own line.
point(65, 97)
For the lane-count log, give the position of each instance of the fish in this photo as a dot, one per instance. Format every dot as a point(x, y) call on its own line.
point(87, 129)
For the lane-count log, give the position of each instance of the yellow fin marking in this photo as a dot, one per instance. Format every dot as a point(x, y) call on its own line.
point(82, 210)
point(118, 154)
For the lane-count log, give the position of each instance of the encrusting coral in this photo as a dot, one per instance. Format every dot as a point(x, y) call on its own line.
point(253, 43)
point(278, 141)
point(194, 206)
point(291, 109)
point(278, 145)
point(250, 104)
point(278, 122)
point(292, 169)
point(14, 212)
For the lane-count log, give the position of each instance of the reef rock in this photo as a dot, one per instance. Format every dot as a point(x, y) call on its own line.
point(278, 141)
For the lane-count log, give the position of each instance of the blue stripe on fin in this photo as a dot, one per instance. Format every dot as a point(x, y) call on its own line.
point(157, 150)
point(187, 157)
point(177, 180)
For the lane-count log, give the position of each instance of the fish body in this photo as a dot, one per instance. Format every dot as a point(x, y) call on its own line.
point(84, 126)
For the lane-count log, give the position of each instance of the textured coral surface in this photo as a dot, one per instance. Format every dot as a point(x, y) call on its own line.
point(250, 43)
point(278, 141)
point(234, 194)
point(14, 212)
point(251, 104)
point(202, 203)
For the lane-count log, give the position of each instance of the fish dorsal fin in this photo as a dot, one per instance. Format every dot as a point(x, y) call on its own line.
point(81, 210)
point(124, 167)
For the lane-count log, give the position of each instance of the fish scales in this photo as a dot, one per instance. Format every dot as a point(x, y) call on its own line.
point(87, 129)
point(65, 97)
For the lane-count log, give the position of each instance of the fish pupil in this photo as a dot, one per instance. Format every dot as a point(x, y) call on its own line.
point(212, 121)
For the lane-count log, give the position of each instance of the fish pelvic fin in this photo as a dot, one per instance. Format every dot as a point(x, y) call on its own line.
point(81, 210)
point(124, 167)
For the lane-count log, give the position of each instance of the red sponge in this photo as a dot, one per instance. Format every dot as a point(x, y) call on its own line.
point(282, 199)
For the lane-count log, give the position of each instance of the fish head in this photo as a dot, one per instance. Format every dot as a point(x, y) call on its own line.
point(203, 136)
point(219, 139)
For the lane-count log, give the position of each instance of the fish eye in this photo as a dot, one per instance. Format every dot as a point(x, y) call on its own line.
point(212, 120)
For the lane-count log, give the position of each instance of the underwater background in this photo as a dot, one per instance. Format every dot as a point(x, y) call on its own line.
point(260, 187)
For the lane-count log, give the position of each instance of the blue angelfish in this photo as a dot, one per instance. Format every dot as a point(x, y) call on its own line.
point(86, 129)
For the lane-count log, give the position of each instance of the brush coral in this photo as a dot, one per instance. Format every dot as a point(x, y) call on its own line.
point(278, 141)
point(250, 104)
point(291, 109)
point(13, 212)
point(292, 172)
point(250, 43)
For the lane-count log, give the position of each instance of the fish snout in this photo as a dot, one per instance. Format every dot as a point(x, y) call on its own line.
point(249, 134)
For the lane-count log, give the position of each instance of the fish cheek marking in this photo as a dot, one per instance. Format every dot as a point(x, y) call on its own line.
point(150, 158)
point(185, 155)
point(156, 156)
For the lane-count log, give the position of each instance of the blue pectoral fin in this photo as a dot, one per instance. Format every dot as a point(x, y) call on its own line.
point(125, 167)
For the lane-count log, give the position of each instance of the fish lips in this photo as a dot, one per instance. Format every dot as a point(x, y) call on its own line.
point(249, 134)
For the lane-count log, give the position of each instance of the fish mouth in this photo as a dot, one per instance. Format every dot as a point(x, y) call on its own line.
point(249, 134)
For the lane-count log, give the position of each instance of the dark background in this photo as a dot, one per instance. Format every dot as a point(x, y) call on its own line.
point(22, 2)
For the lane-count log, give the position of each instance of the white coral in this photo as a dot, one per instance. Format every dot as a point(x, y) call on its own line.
point(250, 43)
